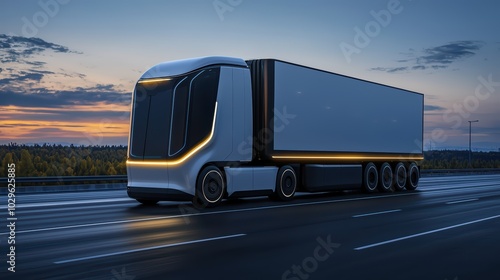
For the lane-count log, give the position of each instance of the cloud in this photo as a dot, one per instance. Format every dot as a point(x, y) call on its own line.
point(42, 71)
point(63, 98)
point(24, 71)
point(390, 69)
point(76, 107)
point(18, 48)
point(435, 58)
point(22, 77)
point(433, 108)
point(449, 53)
point(34, 125)
point(37, 64)
point(41, 133)
point(98, 88)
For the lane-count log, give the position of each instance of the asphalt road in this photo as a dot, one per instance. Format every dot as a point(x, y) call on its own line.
point(448, 229)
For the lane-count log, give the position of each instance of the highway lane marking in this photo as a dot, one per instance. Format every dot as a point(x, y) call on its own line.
point(224, 211)
point(424, 233)
point(149, 248)
point(376, 213)
point(461, 201)
point(211, 213)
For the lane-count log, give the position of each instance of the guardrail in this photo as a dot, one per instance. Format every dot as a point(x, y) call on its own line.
point(460, 171)
point(69, 179)
point(65, 183)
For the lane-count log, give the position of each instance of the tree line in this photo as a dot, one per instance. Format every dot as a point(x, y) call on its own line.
point(59, 160)
point(459, 159)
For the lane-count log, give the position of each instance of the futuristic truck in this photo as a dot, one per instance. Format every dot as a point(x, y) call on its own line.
point(210, 128)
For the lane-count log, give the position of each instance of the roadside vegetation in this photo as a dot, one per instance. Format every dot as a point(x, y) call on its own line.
point(58, 160)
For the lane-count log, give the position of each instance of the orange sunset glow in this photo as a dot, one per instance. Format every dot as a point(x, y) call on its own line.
point(44, 124)
point(44, 100)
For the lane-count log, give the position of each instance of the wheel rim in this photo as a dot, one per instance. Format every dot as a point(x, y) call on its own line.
point(401, 176)
point(386, 177)
point(414, 176)
point(212, 186)
point(372, 177)
point(287, 183)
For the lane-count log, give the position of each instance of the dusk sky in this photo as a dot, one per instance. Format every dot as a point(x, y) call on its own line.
point(68, 67)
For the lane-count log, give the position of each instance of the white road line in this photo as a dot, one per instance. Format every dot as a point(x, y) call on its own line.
point(424, 233)
point(376, 213)
point(460, 201)
point(210, 213)
point(149, 248)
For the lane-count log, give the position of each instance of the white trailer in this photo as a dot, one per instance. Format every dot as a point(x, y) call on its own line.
point(209, 128)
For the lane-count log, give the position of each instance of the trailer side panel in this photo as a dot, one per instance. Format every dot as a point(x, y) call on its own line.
point(318, 111)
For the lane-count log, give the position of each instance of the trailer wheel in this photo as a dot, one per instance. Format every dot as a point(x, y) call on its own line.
point(210, 187)
point(147, 201)
point(400, 177)
point(286, 183)
point(370, 178)
point(413, 177)
point(385, 178)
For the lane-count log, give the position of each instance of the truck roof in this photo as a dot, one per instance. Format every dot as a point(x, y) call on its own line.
point(178, 67)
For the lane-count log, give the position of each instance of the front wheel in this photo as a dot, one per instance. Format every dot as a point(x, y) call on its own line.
point(286, 183)
point(210, 187)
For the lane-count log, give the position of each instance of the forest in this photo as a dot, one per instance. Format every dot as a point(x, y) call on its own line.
point(59, 160)
point(459, 159)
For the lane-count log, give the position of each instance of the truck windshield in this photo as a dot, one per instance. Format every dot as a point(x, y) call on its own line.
point(172, 115)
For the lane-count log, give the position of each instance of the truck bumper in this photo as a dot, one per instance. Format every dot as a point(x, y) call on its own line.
point(160, 183)
point(158, 194)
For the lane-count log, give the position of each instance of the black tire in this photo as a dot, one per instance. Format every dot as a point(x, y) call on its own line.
point(413, 177)
point(147, 201)
point(385, 178)
point(286, 183)
point(400, 176)
point(210, 187)
point(370, 178)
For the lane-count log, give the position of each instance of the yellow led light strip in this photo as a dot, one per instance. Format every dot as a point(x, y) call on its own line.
point(349, 157)
point(153, 80)
point(186, 156)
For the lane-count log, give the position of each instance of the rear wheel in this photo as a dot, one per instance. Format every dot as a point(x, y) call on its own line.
point(370, 178)
point(413, 177)
point(147, 201)
point(400, 177)
point(385, 178)
point(210, 187)
point(286, 183)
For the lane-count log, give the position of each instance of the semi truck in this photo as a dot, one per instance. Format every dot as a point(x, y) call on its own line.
point(210, 128)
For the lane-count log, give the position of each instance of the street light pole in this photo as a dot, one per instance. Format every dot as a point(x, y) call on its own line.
point(470, 138)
